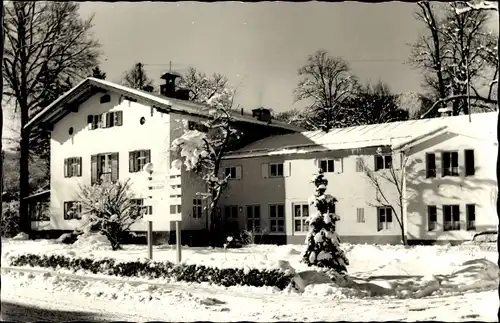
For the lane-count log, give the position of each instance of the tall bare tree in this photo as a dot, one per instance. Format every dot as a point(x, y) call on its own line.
point(137, 78)
point(45, 43)
point(202, 87)
point(326, 83)
point(454, 56)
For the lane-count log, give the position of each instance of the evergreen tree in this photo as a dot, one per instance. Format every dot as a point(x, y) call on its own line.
point(98, 74)
point(323, 243)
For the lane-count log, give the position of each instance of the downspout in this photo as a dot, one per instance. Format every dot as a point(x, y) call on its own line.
point(403, 206)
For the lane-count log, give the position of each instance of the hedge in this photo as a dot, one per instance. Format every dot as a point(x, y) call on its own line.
point(151, 269)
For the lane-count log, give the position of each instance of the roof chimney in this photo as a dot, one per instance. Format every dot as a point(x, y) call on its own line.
point(262, 114)
point(168, 89)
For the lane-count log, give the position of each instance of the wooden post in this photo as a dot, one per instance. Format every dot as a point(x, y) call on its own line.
point(150, 240)
point(178, 241)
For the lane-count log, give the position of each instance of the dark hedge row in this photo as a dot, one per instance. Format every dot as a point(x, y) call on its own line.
point(151, 269)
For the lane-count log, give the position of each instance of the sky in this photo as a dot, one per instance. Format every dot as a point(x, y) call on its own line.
point(258, 46)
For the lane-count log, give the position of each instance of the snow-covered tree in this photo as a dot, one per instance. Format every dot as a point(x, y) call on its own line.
point(201, 87)
point(454, 55)
point(391, 178)
point(109, 208)
point(202, 152)
point(323, 243)
point(326, 83)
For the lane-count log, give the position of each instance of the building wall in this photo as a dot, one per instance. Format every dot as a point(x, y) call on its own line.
point(352, 189)
point(153, 135)
point(479, 189)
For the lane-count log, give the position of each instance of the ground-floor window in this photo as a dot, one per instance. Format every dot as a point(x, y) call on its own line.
point(384, 218)
point(451, 217)
point(72, 210)
point(39, 211)
point(277, 218)
point(253, 217)
point(300, 215)
point(432, 217)
point(140, 203)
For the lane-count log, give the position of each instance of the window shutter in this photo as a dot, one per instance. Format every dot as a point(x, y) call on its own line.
point(65, 210)
point(66, 167)
point(131, 160)
point(93, 169)
point(118, 118)
point(287, 169)
point(114, 167)
point(265, 170)
point(90, 121)
point(469, 162)
point(148, 156)
point(238, 172)
point(338, 165)
point(79, 166)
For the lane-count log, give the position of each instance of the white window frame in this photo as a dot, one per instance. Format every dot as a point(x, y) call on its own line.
point(197, 208)
point(175, 209)
point(385, 164)
point(450, 170)
point(234, 172)
point(453, 224)
point(73, 206)
point(277, 170)
point(304, 227)
point(277, 218)
point(327, 162)
point(140, 202)
point(384, 224)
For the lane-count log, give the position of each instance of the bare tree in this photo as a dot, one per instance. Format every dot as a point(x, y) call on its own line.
point(452, 55)
point(386, 180)
point(137, 78)
point(45, 42)
point(294, 117)
point(202, 151)
point(327, 83)
point(202, 87)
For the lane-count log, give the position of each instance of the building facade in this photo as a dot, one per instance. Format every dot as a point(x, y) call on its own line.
point(103, 130)
point(441, 171)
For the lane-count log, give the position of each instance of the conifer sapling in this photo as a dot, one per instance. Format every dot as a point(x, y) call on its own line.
point(323, 243)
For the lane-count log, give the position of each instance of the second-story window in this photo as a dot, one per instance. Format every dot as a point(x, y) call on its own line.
point(104, 167)
point(137, 159)
point(450, 163)
point(73, 167)
point(383, 162)
point(105, 120)
point(232, 172)
point(276, 170)
point(327, 165)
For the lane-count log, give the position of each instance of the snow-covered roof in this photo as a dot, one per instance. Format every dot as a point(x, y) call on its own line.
point(55, 111)
point(395, 134)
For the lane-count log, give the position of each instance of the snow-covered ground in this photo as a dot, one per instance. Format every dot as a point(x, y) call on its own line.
point(464, 291)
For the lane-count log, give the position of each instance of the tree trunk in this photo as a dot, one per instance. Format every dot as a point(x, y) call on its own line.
point(25, 224)
point(498, 156)
point(1, 114)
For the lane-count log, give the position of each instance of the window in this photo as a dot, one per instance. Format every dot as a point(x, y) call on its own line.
point(384, 218)
point(105, 120)
point(192, 125)
point(233, 172)
point(105, 98)
point(137, 159)
point(430, 161)
point(72, 210)
point(383, 162)
point(253, 217)
point(450, 163)
point(175, 209)
point(104, 167)
point(38, 211)
point(469, 162)
point(451, 215)
point(276, 170)
point(277, 218)
point(359, 165)
point(471, 216)
point(360, 212)
point(73, 167)
point(300, 215)
point(140, 203)
point(197, 208)
point(327, 165)
point(432, 217)
point(231, 213)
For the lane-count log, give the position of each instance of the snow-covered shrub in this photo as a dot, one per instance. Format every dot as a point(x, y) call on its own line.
point(323, 243)
point(279, 278)
point(109, 208)
point(10, 219)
